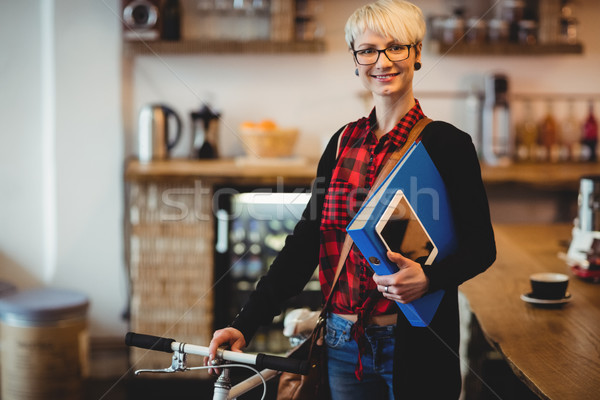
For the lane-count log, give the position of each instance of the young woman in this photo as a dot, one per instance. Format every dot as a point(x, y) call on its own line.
point(373, 352)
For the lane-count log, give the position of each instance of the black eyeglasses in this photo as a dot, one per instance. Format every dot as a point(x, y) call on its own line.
point(396, 52)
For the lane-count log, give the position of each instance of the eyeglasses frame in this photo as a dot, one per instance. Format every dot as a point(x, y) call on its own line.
point(355, 52)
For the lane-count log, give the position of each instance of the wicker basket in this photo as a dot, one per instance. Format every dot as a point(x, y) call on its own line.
point(268, 143)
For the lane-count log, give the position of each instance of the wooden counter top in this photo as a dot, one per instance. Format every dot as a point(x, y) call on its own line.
point(556, 352)
point(542, 176)
point(226, 170)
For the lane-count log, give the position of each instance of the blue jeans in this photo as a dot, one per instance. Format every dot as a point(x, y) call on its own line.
point(342, 357)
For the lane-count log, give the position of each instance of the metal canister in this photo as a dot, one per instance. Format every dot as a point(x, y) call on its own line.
point(44, 344)
point(588, 202)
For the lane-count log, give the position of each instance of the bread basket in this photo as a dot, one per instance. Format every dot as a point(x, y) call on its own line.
point(270, 142)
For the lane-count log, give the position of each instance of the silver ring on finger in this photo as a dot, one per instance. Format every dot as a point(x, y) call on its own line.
point(386, 289)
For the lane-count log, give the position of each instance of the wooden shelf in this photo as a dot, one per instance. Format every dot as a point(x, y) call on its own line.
point(547, 176)
point(544, 176)
point(183, 47)
point(224, 171)
point(504, 49)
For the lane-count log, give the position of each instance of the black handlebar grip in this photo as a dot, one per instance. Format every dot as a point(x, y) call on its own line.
point(282, 364)
point(149, 342)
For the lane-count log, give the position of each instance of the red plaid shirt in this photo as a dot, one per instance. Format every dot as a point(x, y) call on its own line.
point(361, 158)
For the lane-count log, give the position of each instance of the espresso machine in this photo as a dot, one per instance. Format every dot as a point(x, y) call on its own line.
point(583, 255)
point(496, 139)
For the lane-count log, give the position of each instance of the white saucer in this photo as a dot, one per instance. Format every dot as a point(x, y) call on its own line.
point(534, 300)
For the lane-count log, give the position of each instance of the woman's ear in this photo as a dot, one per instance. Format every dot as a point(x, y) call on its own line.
point(418, 48)
point(355, 63)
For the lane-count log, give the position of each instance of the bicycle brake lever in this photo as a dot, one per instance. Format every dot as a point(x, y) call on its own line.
point(178, 364)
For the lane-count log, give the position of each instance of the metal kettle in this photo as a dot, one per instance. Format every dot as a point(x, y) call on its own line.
point(155, 139)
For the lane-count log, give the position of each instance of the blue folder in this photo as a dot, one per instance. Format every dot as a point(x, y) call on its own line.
point(410, 211)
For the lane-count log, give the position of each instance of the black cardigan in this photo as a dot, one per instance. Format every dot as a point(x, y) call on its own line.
point(426, 359)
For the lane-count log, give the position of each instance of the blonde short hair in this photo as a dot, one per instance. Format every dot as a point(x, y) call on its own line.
point(398, 19)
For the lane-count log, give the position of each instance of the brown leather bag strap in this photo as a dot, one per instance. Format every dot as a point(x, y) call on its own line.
point(396, 156)
point(413, 135)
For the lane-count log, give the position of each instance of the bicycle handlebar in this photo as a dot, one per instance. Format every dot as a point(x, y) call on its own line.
point(260, 360)
point(282, 364)
point(149, 342)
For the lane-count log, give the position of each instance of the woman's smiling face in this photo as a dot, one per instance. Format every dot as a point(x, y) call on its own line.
point(386, 78)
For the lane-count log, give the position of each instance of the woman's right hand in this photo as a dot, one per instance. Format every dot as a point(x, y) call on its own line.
point(226, 336)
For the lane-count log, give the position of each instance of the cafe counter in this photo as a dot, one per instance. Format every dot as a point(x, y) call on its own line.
point(555, 351)
point(563, 176)
point(170, 226)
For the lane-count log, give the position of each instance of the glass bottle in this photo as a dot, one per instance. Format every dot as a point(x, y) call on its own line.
point(527, 135)
point(570, 134)
point(238, 245)
point(255, 263)
point(171, 20)
point(548, 137)
point(590, 135)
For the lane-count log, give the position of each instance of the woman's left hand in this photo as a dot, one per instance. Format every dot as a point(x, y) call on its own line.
point(406, 285)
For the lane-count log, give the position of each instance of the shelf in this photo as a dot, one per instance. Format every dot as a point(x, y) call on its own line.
point(504, 49)
point(544, 176)
point(183, 47)
point(551, 176)
point(222, 172)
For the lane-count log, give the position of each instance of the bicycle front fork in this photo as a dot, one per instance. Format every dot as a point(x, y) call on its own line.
point(222, 385)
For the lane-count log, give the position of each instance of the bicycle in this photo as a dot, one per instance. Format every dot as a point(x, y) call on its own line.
point(269, 365)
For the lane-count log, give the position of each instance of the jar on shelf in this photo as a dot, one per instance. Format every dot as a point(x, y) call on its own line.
point(498, 31)
point(527, 32)
point(454, 29)
point(568, 24)
point(568, 31)
point(476, 30)
point(513, 10)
